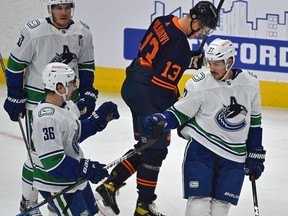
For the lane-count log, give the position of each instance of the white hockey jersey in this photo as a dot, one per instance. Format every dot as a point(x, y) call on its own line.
point(220, 112)
point(56, 133)
point(41, 43)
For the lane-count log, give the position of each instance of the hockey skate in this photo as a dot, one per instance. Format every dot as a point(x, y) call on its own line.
point(145, 209)
point(106, 193)
point(26, 204)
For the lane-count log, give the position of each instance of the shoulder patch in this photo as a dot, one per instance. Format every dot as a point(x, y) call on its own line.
point(85, 25)
point(198, 77)
point(46, 111)
point(252, 74)
point(33, 24)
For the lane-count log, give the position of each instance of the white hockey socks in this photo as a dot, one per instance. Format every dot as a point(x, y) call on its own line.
point(206, 206)
point(198, 206)
point(219, 208)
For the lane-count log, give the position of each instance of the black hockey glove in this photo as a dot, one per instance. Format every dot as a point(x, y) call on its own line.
point(196, 61)
point(87, 102)
point(255, 162)
point(91, 170)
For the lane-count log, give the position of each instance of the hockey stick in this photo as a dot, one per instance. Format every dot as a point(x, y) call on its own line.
point(25, 141)
point(2, 64)
point(153, 139)
point(254, 193)
point(205, 37)
point(19, 119)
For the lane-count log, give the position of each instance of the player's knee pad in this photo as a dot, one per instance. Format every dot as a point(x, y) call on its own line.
point(198, 206)
point(219, 208)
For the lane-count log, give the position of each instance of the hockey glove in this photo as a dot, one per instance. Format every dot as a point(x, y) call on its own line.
point(196, 61)
point(15, 105)
point(87, 102)
point(254, 164)
point(105, 113)
point(150, 122)
point(91, 170)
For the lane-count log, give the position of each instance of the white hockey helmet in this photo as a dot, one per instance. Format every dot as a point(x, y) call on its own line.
point(220, 49)
point(55, 2)
point(50, 3)
point(55, 73)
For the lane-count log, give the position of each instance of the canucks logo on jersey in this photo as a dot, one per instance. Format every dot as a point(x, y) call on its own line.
point(75, 141)
point(232, 118)
point(66, 57)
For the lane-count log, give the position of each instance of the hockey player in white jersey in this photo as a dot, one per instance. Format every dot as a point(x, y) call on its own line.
point(56, 38)
point(220, 116)
point(57, 133)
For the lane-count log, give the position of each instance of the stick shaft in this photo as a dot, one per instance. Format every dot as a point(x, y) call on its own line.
point(205, 37)
point(254, 193)
point(2, 64)
point(25, 141)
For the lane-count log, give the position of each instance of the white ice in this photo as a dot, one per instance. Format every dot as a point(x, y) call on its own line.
point(272, 187)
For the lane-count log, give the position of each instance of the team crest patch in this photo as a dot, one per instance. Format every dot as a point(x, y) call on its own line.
point(84, 213)
point(33, 24)
point(46, 111)
point(65, 57)
point(75, 143)
point(193, 184)
point(232, 117)
point(198, 77)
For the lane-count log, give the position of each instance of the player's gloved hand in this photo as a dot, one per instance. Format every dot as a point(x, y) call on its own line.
point(105, 113)
point(150, 122)
point(196, 60)
point(91, 170)
point(87, 102)
point(254, 163)
point(15, 105)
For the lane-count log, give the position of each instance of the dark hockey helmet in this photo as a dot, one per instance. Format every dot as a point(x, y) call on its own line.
point(206, 12)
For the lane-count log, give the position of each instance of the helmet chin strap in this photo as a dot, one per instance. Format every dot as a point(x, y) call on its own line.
point(62, 95)
point(227, 71)
point(192, 31)
point(225, 75)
